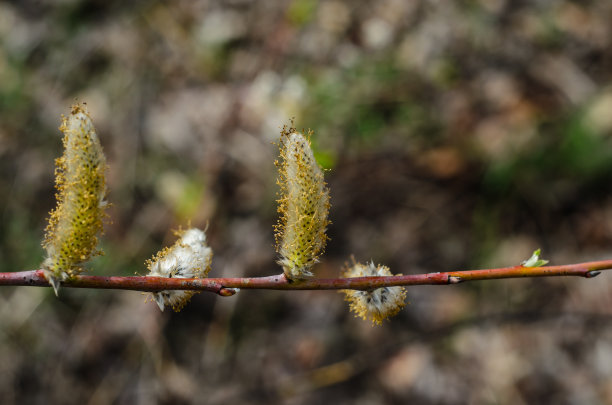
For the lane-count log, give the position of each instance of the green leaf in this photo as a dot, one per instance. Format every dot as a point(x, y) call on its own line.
point(534, 260)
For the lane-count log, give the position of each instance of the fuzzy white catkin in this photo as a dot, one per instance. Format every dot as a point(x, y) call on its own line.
point(189, 257)
point(378, 304)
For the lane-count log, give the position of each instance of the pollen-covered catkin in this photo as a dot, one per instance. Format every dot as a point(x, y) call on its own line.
point(189, 257)
point(74, 225)
point(377, 304)
point(303, 206)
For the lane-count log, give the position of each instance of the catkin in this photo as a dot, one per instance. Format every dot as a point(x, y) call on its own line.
point(303, 207)
point(377, 304)
point(189, 257)
point(71, 236)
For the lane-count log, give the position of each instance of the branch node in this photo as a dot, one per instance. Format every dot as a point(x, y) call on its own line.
point(227, 292)
point(454, 280)
point(593, 273)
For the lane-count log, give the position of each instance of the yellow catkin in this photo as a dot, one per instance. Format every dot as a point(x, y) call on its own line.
point(303, 206)
point(189, 257)
point(71, 236)
point(378, 304)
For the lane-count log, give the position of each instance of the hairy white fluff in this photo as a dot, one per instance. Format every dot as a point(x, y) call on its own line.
point(189, 257)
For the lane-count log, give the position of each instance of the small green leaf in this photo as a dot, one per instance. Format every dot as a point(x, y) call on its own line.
point(534, 260)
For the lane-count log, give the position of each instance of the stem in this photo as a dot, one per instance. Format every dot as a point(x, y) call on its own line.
point(225, 286)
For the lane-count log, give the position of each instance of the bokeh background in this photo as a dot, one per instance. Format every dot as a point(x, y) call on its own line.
point(457, 135)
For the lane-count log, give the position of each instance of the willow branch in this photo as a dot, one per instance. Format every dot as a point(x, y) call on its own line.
point(226, 286)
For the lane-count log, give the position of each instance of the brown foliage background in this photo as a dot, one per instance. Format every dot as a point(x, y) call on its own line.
point(459, 135)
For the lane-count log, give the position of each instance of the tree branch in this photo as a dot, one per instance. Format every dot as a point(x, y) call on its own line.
point(226, 286)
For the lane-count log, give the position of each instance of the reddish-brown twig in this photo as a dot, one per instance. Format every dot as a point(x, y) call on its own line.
point(226, 286)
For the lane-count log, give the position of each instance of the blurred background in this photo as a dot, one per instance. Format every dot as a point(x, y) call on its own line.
point(457, 135)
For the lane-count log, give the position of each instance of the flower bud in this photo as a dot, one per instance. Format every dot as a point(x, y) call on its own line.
point(377, 304)
point(189, 257)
